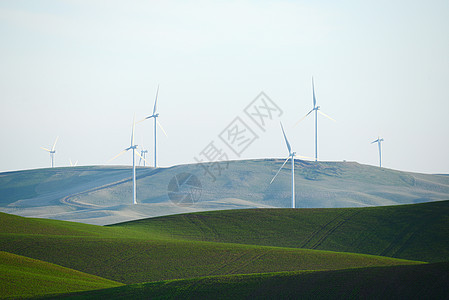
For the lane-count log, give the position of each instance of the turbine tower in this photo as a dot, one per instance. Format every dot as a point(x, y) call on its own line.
point(155, 115)
point(317, 110)
point(52, 152)
point(291, 155)
point(143, 155)
point(131, 147)
point(379, 142)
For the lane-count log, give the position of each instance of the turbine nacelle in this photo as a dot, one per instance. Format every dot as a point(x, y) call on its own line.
point(132, 147)
point(52, 151)
point(378, 140)
point(152, 116)
point(379, 143)
point(317, 110)
point(155, 115)
point(291, 155)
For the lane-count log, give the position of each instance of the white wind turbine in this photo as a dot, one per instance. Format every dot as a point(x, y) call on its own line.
point(52, 152)
point(143, 155)
point(291, 155)
point(73, 164)
point(155, 115)
point(133, 147)
point(379, 142)
point(317, 110)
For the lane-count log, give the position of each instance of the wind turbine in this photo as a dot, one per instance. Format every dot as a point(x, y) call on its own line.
point(143, 154)
point(131, 147)
point(291, 155)
point(155, 115)
point(73, 164)
point(52, 152)
point(317, 110)
point(379, 142)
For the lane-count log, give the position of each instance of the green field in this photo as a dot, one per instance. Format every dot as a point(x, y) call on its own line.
point(133, 256)
point(366, 283)
point(416, 232)
point(236, 242)
point(26, 277)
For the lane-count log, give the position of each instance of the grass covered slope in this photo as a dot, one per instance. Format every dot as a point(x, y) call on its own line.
point(133, 256)
point(142, 260)
point(26, 277)
point(416, 232)
point(11, 224)
point(429, 281)
point(239, 242)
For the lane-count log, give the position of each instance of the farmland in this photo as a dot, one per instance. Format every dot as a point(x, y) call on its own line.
point(373, 283)
point(416, 232)
point(248, 246)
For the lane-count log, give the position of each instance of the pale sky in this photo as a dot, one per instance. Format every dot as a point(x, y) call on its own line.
point(80, 70)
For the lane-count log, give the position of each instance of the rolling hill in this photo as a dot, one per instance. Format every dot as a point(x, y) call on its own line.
point(133, 256)
point(248, 246)
point(429, 281)
point(103, 195)
point(26, 277)
point(416, 232)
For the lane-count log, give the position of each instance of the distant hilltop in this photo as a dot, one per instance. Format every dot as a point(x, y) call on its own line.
point(103, 194)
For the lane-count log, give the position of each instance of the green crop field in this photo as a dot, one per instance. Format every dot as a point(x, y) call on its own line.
point(367, 283)
point(26, 277)
point(133, 256)
point(237, 242)
point(416, 232)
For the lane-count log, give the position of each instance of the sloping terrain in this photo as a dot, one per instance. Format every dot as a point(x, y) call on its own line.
point(133, 256)
point(197, 247)
point(26, 277)
point(416, 232)
point(103, 195)
point(429, 281)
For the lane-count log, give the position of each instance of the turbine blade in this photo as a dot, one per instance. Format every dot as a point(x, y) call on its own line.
point(71, 164)
point(304, 117)
point(76, 162)
point(313, 89)
point(155, 101)
point(132, 133)
point(143, 120)
point(279, 169)
point(54, 145)
point(45, 149)
point(375, 141)
point(326, 115)
point(141, 157)
point(160, 126)
point(118, 155)
point(286, 141)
